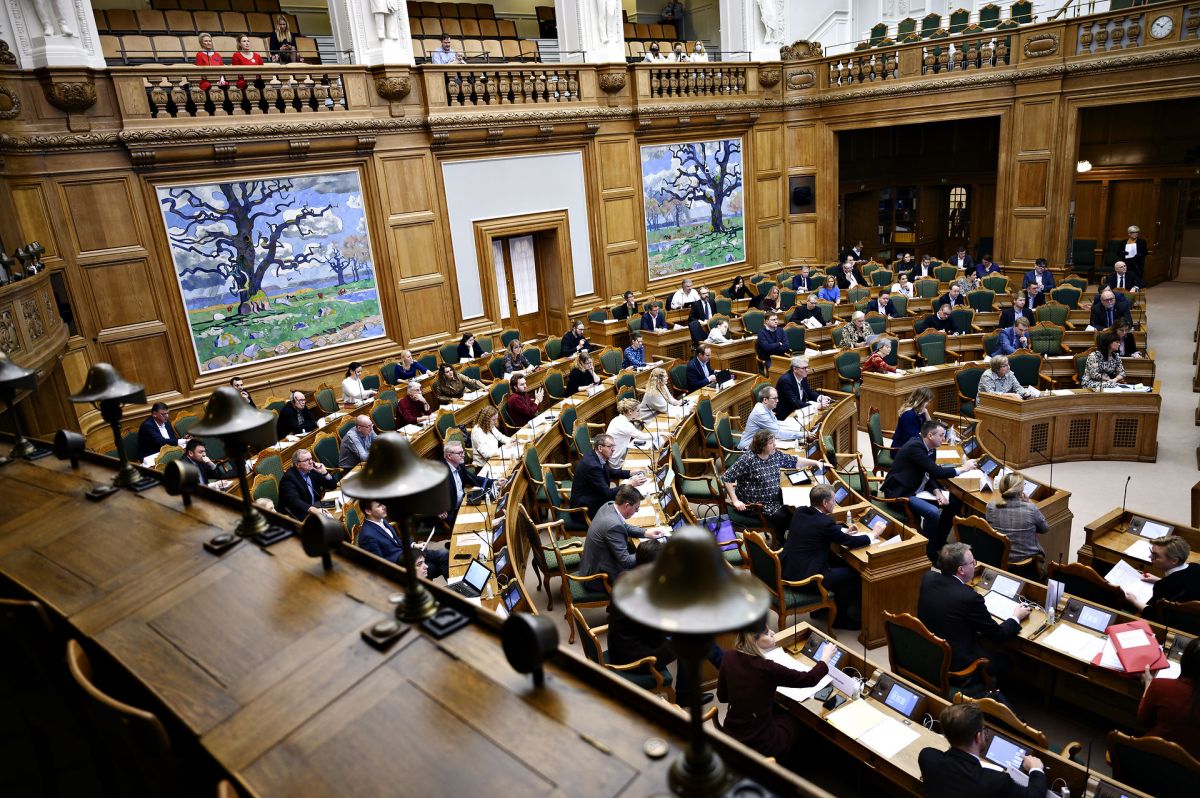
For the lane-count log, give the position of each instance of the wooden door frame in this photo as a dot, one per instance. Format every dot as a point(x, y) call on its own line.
point(552, 278)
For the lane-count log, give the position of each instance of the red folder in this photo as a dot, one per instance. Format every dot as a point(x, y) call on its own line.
point(1135, 659)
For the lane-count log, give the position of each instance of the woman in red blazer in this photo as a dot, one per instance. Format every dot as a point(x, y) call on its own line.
point(207, 56)
point(245, 57)
point(1170, 708)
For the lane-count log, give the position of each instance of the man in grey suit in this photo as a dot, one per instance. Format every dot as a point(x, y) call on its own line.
point(606, 548)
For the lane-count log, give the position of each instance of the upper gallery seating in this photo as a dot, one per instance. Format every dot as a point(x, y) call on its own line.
point(930, 26)
point(473, 29)
point(170, 36)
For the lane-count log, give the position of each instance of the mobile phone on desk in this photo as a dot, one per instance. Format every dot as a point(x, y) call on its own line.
point(824, 693)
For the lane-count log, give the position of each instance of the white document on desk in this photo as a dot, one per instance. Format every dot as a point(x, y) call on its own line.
point(780, 656)
point(1140, 550)
point(999, 605)
point(796, 495)
point(470, 518)
point(1169, 672)
point(1075, 643)
point(1126, 577)
point(1109, 658)
point(888, 738)
point(855, 718)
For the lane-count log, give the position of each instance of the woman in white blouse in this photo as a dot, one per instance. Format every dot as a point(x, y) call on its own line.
point(903, 286)
point(719, 334)
point(624, 431)
point(486, 437)
point(657, 397)
point(353, 392)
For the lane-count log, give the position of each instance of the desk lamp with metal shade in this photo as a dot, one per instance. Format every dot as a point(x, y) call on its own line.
point(14, 378)
point(691, 594)
point(242, 429)
point(108, 390)
point(408, 486)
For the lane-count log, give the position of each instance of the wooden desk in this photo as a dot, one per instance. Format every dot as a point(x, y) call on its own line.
point(891, 575)
point(1076, 425)
point(609, 332)
point(672, 344)
point(1107, 539)
point(736, 355)
point(258, 654)
point(887, 392)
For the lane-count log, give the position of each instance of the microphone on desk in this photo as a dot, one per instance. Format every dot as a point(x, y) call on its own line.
point(1004, 451)
point(1125, 495)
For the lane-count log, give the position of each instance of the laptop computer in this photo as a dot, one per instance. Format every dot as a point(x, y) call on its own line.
point(474, 581)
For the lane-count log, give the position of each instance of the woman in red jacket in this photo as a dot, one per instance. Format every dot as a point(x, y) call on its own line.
point(1170, 708)
point(522, 407)
point(747, 682)
point(245, 57)
point(878, 359)
point(207, 56)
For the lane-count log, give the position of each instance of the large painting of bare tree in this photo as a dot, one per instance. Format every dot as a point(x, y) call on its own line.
point(273, 266)
point(694, 206)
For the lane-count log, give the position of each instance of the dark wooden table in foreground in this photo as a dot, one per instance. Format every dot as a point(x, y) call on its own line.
point(257, 653)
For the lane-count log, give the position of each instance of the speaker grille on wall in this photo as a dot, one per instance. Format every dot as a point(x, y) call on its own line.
point(802, 194)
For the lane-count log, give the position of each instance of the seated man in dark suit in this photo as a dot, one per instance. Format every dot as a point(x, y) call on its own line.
point(156, 432)
point(883, 304)
point(806, 552)
point(380, 538)
point(1040, 275)
point(915, 470)
point(461, 479)
point(962, 260)
point(699, 372)
point(592, 486)
point(294, 418)
point(1035, 297)
point(849, 276)
point(922, 269)
point(807, 310)
point(240, 387)
point(955, 297)
point(627, 309)
point(794, 390)
point(961, 771)
point(772, 340)
point(805, 281)
point(197, 454)
point(575, 341)
point(1180, 580)
point(1108, 309)
point(1122, 279)
point(654, 318)
point(1008, 316)
point(303, 485)
point(701, 312)
point(941, 321)
point(606, 547)
point(856, 253)
point(956, 612)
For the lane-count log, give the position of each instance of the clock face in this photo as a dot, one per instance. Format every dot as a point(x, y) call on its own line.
point(1161, 28)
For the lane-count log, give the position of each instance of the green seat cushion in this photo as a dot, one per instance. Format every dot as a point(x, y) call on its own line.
point(711, 440)
point(797, 597)
point(967, 409)
point(883, 458)
point(743, 520)
point(570, 562)
point(732, 556)
point(641, 678)
point(697, 489)
point(581, 593)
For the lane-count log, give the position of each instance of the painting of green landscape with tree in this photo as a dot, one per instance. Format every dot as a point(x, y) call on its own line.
point(694, 206)
point(272, 266)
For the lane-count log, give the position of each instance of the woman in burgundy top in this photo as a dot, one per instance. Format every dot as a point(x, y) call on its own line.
point(747, 682)
point(878, 359)
point(1170, 708)
point(522, 407)
point(413, 409)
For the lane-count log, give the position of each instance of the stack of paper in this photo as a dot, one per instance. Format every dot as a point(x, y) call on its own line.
point(861, 721)
point(1075, 643)
point(1126, 577)
point(1139, 550)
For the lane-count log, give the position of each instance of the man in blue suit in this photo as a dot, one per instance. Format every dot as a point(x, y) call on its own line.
point(592, 486)
point(380, 538)
point(654, 319)
point(699, 373)
point(1040, 275)
point(1014, 337)
point(771, 339)
point(156, 432)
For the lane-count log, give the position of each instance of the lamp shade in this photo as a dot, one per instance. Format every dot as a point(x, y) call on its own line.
point(229, 417)
point(691, 590)
point(105, 384)
point(14, 377)
point(394, 471)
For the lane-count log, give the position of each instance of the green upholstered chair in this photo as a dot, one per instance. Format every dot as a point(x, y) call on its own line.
point(678, 375)
point(544, 555)
point(849, 369)
point(449, 353)
point(790, 597)
point(727, 440)
point(429, 361)
point(498, 391)
point(1151, 764)
point(879, 32)
point(989, 16)
point(1022, 11)
point(1083, 253)
point(269, 464)
point(931, 346)
point(384, 416)
point(129, 442)
point(346, 425)
point(795, 337)
point(959, 20)
point(708, 424)
point(473, 372)
point(508, 336)
point(535, 471)
point(878, 324)
point(826, 309)
point(351, 519)
point(881, 454)
point(723, 307)
point(645, 672)
point(981, 299)
point(496, 367)
point(1027, 368)
point(556, 387)
point(610, 360)
point(856, 294)
point(900, 302)
point(265, 486)
point(753, 321)
point(996, 282)
point(945, 273)
point(583, 439)
point(906, 30)
point(388, 371)
point(1075, 281)
point(1046, 338)
point(991, 343)
point(1053, 312)
point(325, 449)
point(553, 348)
point(387, 395)
point(533, 355)
point(920, 656)
point(927, 288)
point(992, 547)
point(326, 400)
point(1068, 295)
point(966, 382)
point(930, 23)
point(964, 319)
point(172, 453)
point(583, 591)
point(575, 520)
point(598, 315)
point(445, 422)
point(626, 380)
point(697, 479)
point(787, 299)
point(882, 278)
point(183, 424)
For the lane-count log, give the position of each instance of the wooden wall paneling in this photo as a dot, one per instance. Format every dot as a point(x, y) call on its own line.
point(1087, 209)
point(803, 150)
point(983, 210)
point(1032, 185)
point(31, 213)
point(622, 218)
point(766, 197)
point(103, 219)
point(146, 358)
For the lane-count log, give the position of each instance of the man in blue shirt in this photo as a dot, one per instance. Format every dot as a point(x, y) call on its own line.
point(446, 54)
point(763, 417)
point(635, 353)
point(771, 339)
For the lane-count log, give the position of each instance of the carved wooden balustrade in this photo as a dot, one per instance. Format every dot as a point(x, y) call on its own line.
point(696, 80)
point(511, 85)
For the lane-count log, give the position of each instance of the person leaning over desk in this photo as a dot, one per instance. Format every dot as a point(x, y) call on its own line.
point(960, 771)
point(592, 486)
point(451, 386)
point(915, 470)
point(754, 479)
point(606, 547)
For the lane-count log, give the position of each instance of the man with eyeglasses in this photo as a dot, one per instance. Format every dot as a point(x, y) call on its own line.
point(794, 390)
point(356, 444)
point(294, 418)
point(956, 612)
point(303, 485)
point(461, 479)
point(763, 417)
point(592, 486)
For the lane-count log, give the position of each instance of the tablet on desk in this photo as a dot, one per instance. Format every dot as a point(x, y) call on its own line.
point(903, 700)
point(1148, 529)
point(1004, 752)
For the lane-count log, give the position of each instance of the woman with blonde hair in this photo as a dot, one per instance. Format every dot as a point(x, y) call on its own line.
point(913, 413)
point(748, 680)
point(1017, 518)
point(624, 431)
point(408, 368)
point(657, 396)
point(283, 42)
point(451, 385)
point(486, 437)
point(771, 301)
point(582, 374)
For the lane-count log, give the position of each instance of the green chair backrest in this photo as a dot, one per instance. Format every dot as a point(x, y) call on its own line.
point(1067, 294)
point(826, 309)
point(829, 447)
point(1046, 340)
point(533, 464)
point(371, 382)
point(795, 337)
point(927, 288)
point(967, 381)
point(1083, 253)
point(473, 373)
point(849, 366)
point(981, 300)
point(598, 315)
point(1149, 771)
point(496, 366)
point(626, 381)
point(875, 428)
point(996, 282)
point(704, 412)
point(678, 375)
point(753, 321)
point(429, 361)
point(508, 336)
point(989, 15)
point(587, 639)
point(449, 353)
point(1054, 312)
point(610, 360)
point(326, 450)
point(345, 427)
point(857, 293)
point(932, 346)
point(267, 489)
point(929, 24)
point(725, 433)
point(915, 655)
point(959, 20)
point(963, 318)
point(905, 26)
point(353, 519)
point(216, 448)
point(169, 456)
point(384, 416)
point(1026, 368)
point(900, 301)
point(184, 424)
point(1022, 11)
point(444, 422)
point(388, 370)
point(723, 307)
point(878, 32)
point(583, 438)
point(533, 355)
point(269, 464)
point(881, 278)
point(556, 388)
point(129, 442)
point(498, 391)
point(1076, 282)
point(991, 343)
point(787, 299)
point(327, 401)
point(1080, 365)
point(877, 322)
point(554, 348)
point(764, 566)
point(945, 273)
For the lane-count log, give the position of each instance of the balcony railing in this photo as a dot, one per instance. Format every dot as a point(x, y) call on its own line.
point(511, 85)
point(679, 81)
